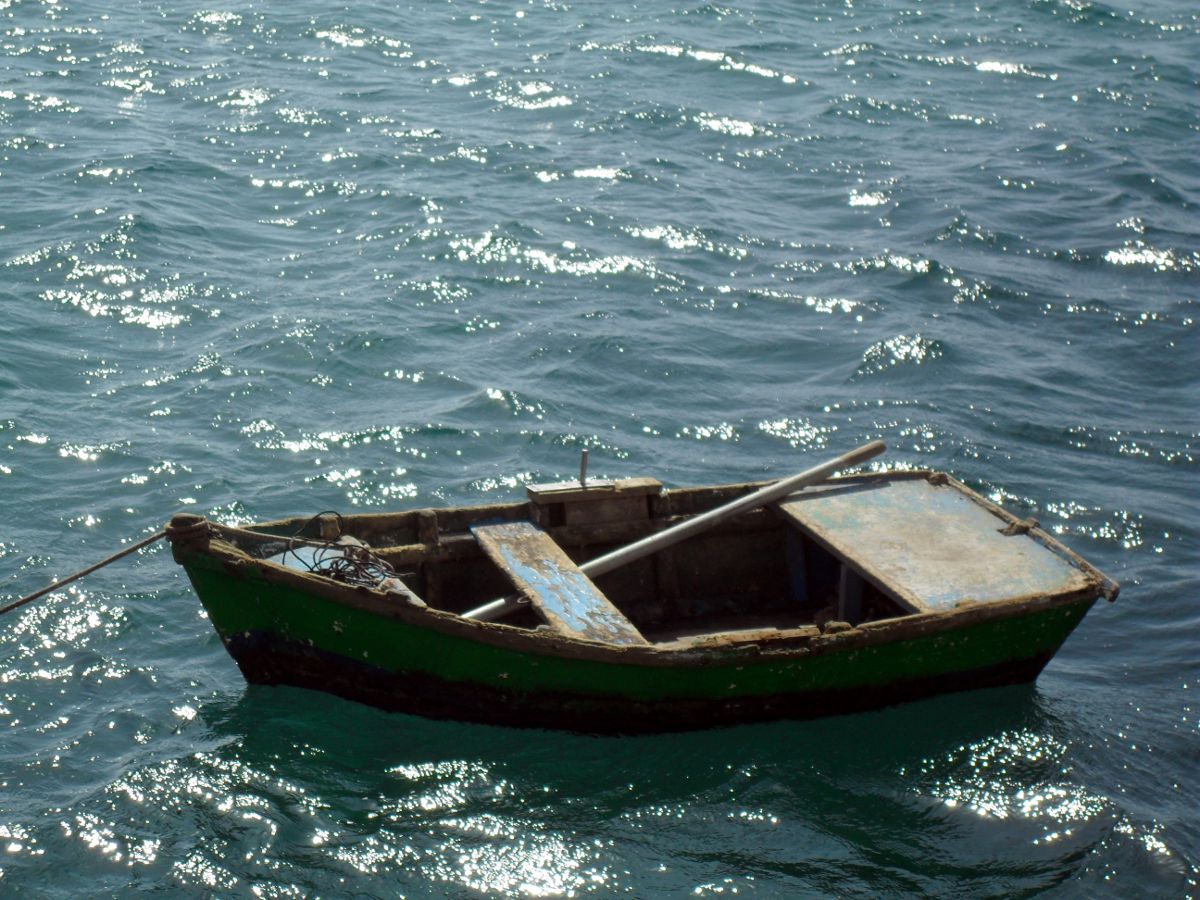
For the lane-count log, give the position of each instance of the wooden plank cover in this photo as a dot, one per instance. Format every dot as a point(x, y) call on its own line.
point(541, 571)
point(596, 489)
point(928, 545)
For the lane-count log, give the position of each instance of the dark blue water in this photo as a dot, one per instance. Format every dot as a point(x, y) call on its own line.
point(270, 259)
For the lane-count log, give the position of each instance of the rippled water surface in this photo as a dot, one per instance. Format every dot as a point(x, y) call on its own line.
point(268, 259)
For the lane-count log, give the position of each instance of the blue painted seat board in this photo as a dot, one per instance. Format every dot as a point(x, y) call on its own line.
point(544, 574)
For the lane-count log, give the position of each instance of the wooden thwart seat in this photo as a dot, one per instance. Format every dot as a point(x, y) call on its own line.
point(550, 580)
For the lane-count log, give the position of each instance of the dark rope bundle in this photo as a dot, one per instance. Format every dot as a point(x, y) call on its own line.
point(346, 559)
point(350, 562)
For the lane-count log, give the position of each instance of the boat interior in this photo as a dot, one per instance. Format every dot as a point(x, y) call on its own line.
point(753, 575)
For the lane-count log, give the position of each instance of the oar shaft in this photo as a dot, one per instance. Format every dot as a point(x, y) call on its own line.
point(676, 533)
point(704, 521)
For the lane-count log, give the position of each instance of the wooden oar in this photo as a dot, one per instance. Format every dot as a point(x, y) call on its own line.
point(673, 535)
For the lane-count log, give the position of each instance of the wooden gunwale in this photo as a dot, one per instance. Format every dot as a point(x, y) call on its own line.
point(670, 507)
point(451, 547)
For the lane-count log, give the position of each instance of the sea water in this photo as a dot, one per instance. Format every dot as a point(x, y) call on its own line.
point(260, 259)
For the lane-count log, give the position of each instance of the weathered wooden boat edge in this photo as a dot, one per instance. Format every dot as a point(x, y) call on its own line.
point(236, 568)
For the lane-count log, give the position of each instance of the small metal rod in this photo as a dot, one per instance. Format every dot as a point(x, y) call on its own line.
point(497, 609)
point(158, 535)
point(583, 461)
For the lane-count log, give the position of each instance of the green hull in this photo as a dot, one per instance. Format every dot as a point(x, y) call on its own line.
point(437, 664)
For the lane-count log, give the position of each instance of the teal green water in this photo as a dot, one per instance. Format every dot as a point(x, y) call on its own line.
point(262, 260)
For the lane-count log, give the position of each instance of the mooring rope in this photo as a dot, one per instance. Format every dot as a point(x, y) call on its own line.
point(158, 535)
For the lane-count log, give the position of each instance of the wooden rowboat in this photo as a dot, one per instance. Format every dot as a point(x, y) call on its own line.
point(858, 592)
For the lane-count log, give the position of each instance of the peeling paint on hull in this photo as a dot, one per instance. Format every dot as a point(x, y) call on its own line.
point(265, 659)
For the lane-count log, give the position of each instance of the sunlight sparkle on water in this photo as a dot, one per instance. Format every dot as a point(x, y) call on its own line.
point(1020, 775)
